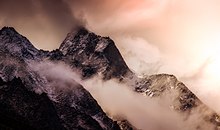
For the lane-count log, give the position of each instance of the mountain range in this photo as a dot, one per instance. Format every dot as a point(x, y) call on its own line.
point(30, 99)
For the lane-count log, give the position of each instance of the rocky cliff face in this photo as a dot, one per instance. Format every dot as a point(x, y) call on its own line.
point(93, 54)
point(27, 99)
point(15, 44)
point(24, 109)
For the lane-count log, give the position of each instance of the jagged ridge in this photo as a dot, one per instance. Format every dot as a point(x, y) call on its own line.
point(91, 55)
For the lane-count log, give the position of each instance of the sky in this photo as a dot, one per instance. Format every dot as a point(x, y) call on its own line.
point(179, 37)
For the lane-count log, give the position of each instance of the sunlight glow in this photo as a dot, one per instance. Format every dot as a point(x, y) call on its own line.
point(212, 70)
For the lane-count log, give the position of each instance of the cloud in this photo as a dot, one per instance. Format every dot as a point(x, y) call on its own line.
point(56, 78)
point(120, 101)
point(145, 113)
point(178, 36)
point(141, 56)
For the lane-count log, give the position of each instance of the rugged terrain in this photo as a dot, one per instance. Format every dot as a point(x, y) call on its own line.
point(27, 100)
point(180, 99)
point(30, 100)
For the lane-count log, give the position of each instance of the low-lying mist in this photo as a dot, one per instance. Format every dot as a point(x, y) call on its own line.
point(57, 78)
point(119, 101)
point(166, 36)
point(194, 65)
point(154, 36)
point(143, 112)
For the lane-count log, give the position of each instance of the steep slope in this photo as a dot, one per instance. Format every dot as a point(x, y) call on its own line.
point(16, 44)
point(26, 109)
point(28, 98)
point(23, 109)
point(180, 99)
point(93, 54)
point(89, 52)
point(74, 108)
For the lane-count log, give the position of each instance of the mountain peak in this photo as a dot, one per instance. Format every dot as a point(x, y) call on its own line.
point(36, 97)
point(93, 54)
point(6, 28)
point(8, 31)
point(83, 31)
point(14, 43)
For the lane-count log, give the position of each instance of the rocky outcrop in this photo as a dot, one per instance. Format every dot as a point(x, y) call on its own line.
point(93, 54)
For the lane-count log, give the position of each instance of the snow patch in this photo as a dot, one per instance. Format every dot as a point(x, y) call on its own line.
point(100, 47)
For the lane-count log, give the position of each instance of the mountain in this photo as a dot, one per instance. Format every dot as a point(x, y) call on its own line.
point(16, 44)
point(181, 100)
point(32, 100)
point(93, 54)
point(29, 101)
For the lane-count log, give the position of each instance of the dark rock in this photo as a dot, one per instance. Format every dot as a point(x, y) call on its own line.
point(93, 54)
point(28, 101)
point(23, 109)
point(16, 44)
